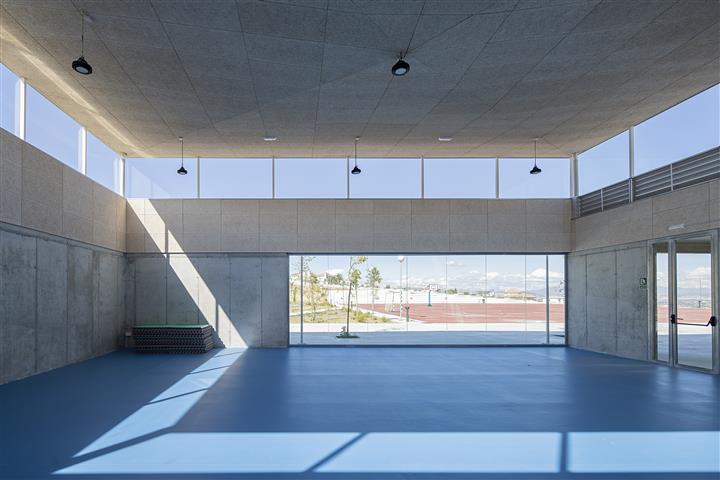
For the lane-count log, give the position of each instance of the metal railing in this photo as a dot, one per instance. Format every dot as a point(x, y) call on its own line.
point(699, 168)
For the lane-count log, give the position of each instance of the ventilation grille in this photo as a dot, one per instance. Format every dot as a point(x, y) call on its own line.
point(691, 171)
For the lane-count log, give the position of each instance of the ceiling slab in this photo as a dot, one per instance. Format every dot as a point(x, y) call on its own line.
point(493, 74)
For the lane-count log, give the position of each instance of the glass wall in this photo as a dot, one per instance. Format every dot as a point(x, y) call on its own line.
point(516, 181)
point(52, 130)
point(604, 164)
point(310, 178)
point(10, 97)
point(690, 127)
point(427, 299)
point(459, 178)
point(103, 164)
point(236, 178)
point(157, 178)
point(387, 178)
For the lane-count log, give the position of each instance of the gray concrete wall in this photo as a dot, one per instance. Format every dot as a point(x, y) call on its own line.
point(39, 192)
point(244, 297)
point(697, 207)
point(607, 307)
point(348, 226)
point(61, 301)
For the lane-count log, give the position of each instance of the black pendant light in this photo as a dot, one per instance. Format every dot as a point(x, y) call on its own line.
point(401, 67)
point(535, 169)
point(181, 170)
point(81, 65)
point(356, 170)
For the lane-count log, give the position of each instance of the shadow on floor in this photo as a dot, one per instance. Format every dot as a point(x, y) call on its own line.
point(517, 412)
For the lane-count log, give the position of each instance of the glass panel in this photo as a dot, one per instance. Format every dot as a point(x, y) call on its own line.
point(52, 130)
point(426, 299)
point(604, 164)
point(236, 178)
point(103, 164)
point(694, 302)
point(9, 100)
point(662, 303)
point(387, 178)
point(310, 178)
point(690, 127)
point(516, 181)
point(459, 178)
point(556, 283)
point(158, 178)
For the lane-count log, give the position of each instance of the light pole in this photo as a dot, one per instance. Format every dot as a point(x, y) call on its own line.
point(401, 259)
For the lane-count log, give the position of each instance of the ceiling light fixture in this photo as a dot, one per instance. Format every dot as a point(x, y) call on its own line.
point(356, 170)
point(401, 67)
point(269, 138)
point(81, 65)
point(445, 139)
point(535, 169)
point(182, 170)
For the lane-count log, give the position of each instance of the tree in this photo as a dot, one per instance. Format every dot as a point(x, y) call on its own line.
point(336, 279)
point(373, 280)
point(353, 276)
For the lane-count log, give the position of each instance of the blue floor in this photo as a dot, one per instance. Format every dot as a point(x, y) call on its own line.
point(362, 413)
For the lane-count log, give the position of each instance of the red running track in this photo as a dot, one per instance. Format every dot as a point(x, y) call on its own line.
point(478, 312)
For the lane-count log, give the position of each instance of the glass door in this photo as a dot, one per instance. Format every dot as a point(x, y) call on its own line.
point(685, 302)
point(693, 318)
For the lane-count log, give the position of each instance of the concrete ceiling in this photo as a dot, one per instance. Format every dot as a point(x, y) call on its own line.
point(493, 74)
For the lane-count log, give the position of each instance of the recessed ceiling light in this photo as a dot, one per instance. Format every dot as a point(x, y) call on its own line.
point(445, 139)
point(81, 65)
point(400, 68)
point(270, 139)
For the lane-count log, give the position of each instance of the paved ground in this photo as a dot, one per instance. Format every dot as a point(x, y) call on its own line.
point(428, 338)
point(362, 413)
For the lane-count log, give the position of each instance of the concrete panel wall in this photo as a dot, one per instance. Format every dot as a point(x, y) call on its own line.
point(244, 297)
point(41, 193)
point(346, 226)
point(61, 301)
point(696, 207)
point(608, 309)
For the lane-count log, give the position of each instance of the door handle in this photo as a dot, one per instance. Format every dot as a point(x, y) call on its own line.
point(674, 320)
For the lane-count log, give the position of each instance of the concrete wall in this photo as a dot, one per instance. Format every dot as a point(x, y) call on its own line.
point(607, 308)
point(244, 297)
point(698, 207)
point(61, 301)
point(348, 226)
point(41, 193)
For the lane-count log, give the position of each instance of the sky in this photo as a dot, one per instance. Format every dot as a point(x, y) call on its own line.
point(464, 272)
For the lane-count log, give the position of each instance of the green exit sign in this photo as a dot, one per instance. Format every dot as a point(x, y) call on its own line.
point(643, 282)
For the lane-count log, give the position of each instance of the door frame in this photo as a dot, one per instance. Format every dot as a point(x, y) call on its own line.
point(714, 236)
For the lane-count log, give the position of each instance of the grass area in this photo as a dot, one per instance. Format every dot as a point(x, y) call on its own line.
point(337, 315)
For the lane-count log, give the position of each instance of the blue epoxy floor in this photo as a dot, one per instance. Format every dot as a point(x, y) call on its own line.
point(362, 413)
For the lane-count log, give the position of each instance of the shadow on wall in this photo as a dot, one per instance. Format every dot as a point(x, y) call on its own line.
point(244, 297)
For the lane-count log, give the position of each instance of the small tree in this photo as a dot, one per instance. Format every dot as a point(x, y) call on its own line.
point(353, 276)
point(373, 280)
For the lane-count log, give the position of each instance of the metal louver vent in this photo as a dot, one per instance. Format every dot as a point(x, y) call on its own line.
point(652, 183)
point(690, 171)
point(616, 195)
point(697, 169)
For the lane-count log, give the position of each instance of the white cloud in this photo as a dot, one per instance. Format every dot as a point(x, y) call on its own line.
point(540, 273)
